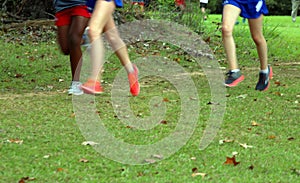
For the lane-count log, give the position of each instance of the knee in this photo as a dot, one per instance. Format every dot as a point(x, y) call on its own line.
point(258, 39)
point(226, 31)
point(94, 33)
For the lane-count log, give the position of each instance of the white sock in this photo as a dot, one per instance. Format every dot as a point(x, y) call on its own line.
point(129, 67)
point(75, 83)
point(265, 71)
point(235, 70)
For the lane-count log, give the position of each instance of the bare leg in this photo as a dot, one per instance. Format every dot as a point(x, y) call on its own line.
point(230, 15)
point(76, 30)
point(261, 44)
point(99, 19)
point(62, 38)
point(117, 44)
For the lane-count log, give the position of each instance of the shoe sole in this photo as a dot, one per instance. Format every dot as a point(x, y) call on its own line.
point(75, 93)
point(90, 91)
point(236, 82)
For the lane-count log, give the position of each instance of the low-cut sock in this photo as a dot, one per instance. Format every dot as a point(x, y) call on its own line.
point(235, 70)
point(129, 67)
point(264, 71)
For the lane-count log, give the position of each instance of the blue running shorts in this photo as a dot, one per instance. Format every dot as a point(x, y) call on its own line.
point(91, 4)
point(250, 9)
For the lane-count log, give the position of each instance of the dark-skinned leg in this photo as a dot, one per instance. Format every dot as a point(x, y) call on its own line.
point(77, 27)
point(62, 39)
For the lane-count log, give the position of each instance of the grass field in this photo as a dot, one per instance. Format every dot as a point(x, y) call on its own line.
point(41, 141)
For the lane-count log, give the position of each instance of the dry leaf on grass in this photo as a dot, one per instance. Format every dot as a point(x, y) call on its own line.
point(231, 161)
point(46, 156)
point(89, 143)
point(245, 145)
point(15, 141)
point(150, 161)
point(158, 156)
point(83, 160)
point(24, 179)
point(199, 174)
point(271, 137)
point(254, 123)
point(243, 96)
point(59, 169)
point(225, 141)
point(234, 153)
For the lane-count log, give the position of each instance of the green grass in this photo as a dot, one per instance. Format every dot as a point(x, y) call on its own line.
point(36, 109)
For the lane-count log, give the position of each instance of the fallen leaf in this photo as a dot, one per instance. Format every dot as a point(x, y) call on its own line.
point(18, 75)
point(150, 161)
point(89, 143)
point(83, 160)
point(271, 137)
point(234, 153)
point(59, 169)
point(278, 94)
point(73, 115)
point(277, 82)
point(231, 161)
point(16, 141)
point(193, 98)
point(164, 122)
point(213, 103)
point(166, 100)
point(158, 156)
point(225, 141)
point(198, 173)
point(254, 123)
point(193, 158)
point(23, 179)
point(46, 156)
point(243, 96)
point(245, 146)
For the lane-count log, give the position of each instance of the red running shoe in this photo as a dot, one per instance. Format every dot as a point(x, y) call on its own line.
point(92, 87)
point(133, 81)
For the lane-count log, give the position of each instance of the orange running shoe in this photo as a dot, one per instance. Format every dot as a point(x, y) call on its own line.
point(133, 81)
point(92, 87)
